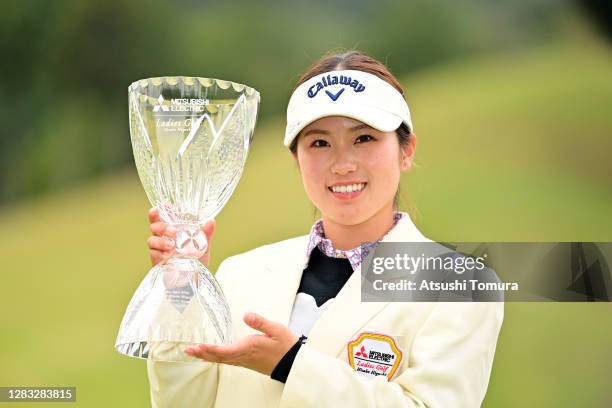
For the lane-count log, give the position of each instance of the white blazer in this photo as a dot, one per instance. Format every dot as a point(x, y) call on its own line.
point(447, 348)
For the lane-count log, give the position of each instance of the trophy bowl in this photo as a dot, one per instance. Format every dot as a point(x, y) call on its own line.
point(190, 138)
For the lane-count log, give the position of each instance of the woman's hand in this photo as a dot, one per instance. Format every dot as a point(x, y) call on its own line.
point(161, 243)
point(258, 352)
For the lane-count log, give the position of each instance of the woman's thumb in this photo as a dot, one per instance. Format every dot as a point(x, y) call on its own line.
point(209, 229)
point(260, 323)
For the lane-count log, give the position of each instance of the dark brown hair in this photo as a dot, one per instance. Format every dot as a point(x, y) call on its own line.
point(358, 61)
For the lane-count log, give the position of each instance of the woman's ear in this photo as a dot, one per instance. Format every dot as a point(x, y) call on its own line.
point(407, 153)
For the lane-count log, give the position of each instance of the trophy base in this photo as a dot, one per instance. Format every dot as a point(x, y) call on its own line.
point(179, 304)
point(158, 350)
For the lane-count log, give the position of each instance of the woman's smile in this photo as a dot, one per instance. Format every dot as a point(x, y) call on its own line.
point(347, 190)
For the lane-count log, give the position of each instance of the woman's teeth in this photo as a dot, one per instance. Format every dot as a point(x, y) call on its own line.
point(348, 188)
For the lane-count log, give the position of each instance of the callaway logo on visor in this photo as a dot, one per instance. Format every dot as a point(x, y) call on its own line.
point(335, 80)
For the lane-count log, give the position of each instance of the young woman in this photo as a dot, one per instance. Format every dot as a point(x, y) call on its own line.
point(312, 342)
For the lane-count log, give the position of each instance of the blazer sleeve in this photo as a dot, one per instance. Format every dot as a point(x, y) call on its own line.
point(185, 384)
point(449, 364)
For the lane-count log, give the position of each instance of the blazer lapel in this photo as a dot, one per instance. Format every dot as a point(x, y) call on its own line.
point(276, 295)
point(343, 319)
point(282, 280)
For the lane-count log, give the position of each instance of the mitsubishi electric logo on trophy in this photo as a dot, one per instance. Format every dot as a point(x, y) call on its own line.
point(173, 115)
point(180, 105)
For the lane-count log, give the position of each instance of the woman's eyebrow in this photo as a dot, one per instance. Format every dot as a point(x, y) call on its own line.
point(325, 132)
point(311, 131)
point(361, 126)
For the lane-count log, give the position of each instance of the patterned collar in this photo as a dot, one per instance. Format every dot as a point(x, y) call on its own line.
point(317, 239)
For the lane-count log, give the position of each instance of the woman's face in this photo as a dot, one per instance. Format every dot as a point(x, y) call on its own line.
point(351, 171)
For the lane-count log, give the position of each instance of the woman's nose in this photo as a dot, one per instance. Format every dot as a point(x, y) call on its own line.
point(343, 165)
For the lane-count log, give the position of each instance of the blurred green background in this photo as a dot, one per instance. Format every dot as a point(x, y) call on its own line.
point(512, 104)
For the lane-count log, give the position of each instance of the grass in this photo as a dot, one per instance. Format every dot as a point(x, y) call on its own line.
point(510, 147)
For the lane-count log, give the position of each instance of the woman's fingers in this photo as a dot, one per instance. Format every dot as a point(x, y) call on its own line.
point(209, 230)
point(160, 248)
point(157, 256)
point(236, 353)
point(154, 215)
point(163, 244)
point(160, 228)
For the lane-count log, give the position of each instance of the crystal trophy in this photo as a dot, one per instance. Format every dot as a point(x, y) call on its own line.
point(190, 138)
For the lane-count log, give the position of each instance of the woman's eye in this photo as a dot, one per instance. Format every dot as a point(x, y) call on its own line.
point(364, 138)
point(320, 143)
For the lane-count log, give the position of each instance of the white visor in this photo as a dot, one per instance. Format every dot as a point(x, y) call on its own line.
point(354, 94)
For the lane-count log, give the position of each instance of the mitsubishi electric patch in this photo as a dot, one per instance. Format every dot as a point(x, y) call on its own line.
point(374, 354)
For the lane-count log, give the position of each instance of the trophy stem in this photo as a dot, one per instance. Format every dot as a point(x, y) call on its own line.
point(190, 240)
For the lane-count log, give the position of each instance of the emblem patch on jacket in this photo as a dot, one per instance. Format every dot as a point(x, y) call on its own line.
point(374, 354)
